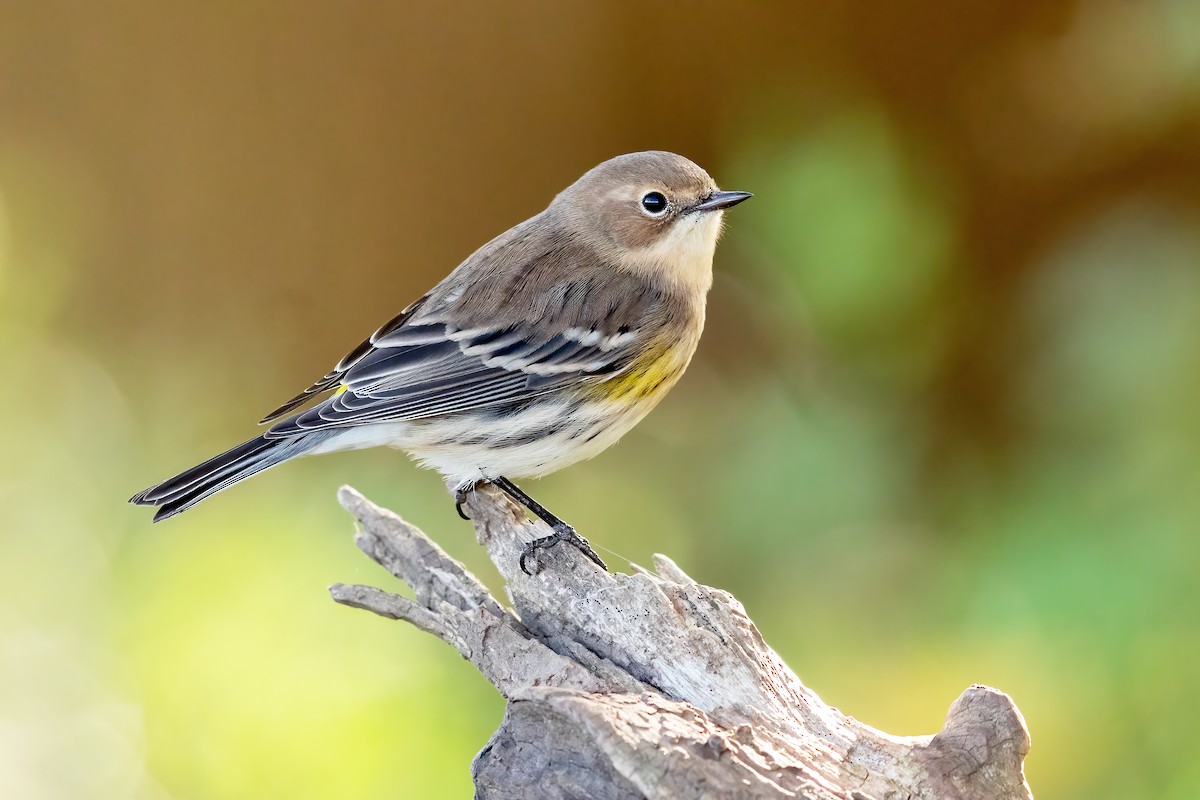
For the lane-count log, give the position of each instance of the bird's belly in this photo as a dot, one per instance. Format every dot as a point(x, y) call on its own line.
point(516, 443)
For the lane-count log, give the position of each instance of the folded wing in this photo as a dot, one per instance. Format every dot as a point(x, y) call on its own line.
point(420, 365)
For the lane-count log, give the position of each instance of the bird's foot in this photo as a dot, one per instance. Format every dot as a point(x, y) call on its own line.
point(562, 533)
point(461, 495)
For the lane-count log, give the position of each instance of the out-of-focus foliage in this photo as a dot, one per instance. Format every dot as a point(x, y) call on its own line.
point(942, 429)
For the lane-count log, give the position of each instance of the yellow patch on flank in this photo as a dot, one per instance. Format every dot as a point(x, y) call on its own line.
point(654, 372)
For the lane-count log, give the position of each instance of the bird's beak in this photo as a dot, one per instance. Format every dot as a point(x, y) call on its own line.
point(718, 201)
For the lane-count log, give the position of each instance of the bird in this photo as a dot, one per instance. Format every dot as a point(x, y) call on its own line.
point(540, 350)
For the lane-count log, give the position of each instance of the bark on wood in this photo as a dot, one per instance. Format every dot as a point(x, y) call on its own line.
point(651, 685)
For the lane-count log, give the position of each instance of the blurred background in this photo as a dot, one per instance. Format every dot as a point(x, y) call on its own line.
point(942, 428)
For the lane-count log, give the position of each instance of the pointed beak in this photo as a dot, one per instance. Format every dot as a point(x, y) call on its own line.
point(718, 201)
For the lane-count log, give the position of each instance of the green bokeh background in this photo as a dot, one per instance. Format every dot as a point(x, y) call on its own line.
point(942, 428)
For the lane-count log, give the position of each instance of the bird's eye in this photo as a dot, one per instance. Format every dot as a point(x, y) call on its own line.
point(654, 203)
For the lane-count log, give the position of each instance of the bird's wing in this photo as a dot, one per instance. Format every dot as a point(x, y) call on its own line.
point(423, 364)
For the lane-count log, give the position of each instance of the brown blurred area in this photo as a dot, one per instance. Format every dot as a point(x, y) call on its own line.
point(294, 172)
point(951, 356)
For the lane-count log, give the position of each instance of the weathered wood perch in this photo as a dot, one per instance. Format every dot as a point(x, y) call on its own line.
point(655, 686)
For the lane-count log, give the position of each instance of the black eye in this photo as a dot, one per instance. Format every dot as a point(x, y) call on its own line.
point(654, 203)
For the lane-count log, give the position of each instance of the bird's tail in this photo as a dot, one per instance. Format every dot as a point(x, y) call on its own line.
point(183, 491)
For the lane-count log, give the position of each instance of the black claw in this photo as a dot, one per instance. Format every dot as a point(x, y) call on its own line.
point(524, 557)
point(460, 498)
point(562, 533)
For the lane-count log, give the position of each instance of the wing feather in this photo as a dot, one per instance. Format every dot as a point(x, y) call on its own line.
point(429, 366)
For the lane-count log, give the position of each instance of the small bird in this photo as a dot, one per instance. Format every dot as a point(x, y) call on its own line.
point(540, 350)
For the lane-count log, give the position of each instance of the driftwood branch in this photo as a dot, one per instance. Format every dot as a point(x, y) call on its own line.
point(651, 685)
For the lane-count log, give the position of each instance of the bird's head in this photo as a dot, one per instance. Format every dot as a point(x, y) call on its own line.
point(654, 212)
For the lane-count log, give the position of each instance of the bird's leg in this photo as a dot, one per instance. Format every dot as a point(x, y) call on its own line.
point(562, 531)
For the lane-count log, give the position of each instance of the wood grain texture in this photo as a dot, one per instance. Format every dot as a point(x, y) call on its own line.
point(652, 685)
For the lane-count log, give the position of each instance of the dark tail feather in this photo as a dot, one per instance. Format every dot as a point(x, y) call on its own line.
point(180, 493)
